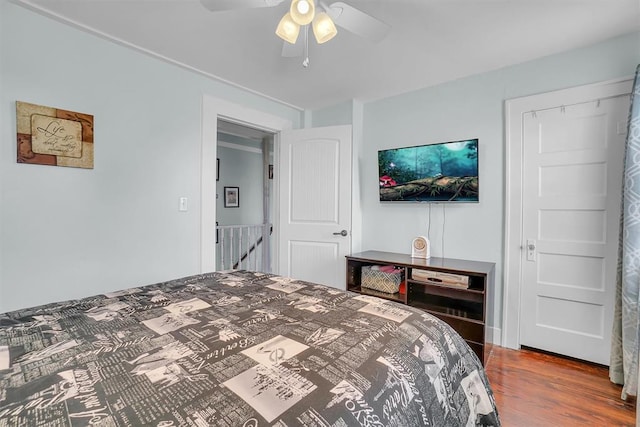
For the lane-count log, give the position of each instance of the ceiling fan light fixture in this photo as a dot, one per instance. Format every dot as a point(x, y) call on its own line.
point(323, 28)
point(302, 11)
point(288, 29)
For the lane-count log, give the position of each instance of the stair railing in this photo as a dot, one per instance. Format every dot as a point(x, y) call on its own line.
point(244, 247)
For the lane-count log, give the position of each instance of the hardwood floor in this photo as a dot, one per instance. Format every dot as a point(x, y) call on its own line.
point(538, 389)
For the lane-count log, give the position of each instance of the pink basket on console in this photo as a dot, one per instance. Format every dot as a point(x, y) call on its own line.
point(385, 279)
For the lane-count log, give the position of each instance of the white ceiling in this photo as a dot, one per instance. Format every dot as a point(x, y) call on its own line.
point(430, 42)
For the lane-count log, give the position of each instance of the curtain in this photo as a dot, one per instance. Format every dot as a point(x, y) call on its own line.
point(623, 368)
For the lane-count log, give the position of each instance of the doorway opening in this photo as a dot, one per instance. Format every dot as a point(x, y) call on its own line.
point(244, 197)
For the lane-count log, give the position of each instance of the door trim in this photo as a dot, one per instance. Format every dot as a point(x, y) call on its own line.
point(513, 239)
point(212, 109)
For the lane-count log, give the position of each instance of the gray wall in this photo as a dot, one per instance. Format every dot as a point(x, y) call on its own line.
point(243, 169)
point(67, 232)
point(469, 108)
point(335, 115)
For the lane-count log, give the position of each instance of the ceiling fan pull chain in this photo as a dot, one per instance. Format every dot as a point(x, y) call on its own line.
point(305, 62)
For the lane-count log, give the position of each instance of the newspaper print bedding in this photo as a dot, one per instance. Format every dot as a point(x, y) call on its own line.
point(237, 349)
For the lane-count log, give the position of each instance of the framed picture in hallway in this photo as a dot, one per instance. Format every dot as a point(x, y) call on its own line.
point(231, 197)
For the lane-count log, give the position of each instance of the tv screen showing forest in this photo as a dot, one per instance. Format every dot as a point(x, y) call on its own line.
point(443, 172)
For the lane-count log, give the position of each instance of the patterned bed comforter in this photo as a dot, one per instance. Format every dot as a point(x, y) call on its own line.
point(237, 349)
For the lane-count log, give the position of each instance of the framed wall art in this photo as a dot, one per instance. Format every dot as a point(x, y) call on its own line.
point(231, 197)
point(52, 136)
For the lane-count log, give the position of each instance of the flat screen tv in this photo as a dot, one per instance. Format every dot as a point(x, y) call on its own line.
point(443, 172)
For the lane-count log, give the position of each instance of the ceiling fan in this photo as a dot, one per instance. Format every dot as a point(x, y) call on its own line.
point(321, 17)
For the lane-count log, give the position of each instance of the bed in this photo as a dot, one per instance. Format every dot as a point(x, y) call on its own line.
point(237, 349)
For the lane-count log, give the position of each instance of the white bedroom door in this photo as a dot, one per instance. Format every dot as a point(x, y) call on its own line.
point(572, 176)
point(315, 204)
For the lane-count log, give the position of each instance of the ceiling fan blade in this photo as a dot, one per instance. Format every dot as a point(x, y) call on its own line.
point(358, 22)
point(221, 5)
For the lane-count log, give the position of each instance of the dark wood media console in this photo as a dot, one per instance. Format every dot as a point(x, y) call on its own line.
point(464, 308)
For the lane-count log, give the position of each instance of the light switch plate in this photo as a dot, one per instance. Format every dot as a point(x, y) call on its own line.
point(183, 204)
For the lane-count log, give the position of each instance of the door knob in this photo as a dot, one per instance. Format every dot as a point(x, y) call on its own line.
point(341, 233)
point(531, 250)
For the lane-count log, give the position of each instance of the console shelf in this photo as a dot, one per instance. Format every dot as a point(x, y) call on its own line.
point(464, 308)
point(398, 297)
